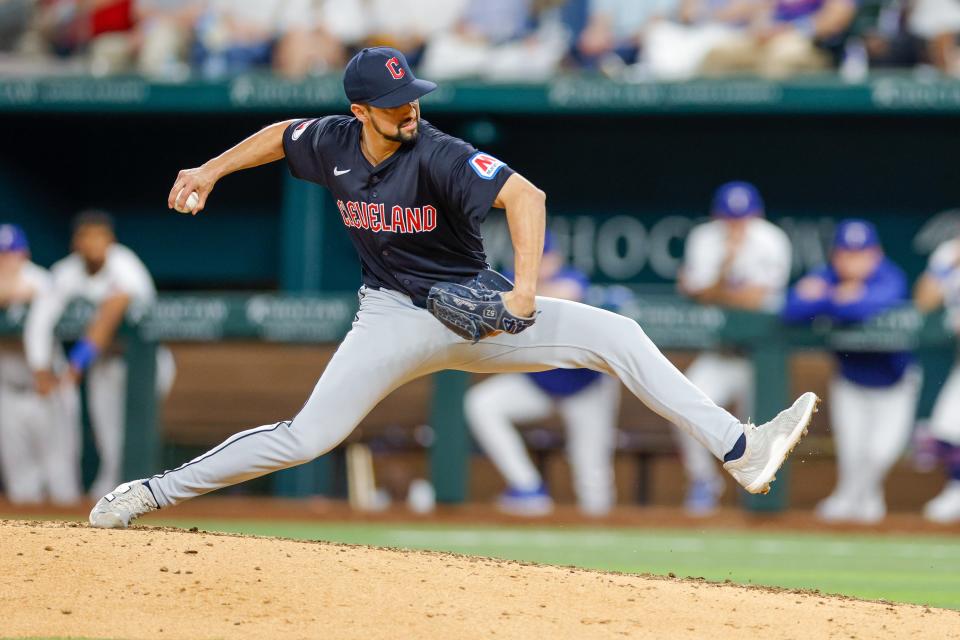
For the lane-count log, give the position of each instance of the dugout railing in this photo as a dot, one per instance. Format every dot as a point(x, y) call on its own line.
point(672, 323)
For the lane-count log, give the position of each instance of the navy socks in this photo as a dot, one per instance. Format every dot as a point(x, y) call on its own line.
point(737, 450)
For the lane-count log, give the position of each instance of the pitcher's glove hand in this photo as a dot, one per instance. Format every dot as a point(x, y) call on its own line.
point(473, 311)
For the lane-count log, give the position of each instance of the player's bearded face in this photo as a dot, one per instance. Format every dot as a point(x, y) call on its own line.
point(400, 124)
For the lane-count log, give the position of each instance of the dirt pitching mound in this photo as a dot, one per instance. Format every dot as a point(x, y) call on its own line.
point(65, 579)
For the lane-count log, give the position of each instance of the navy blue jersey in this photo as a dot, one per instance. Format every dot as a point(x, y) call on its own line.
point(886, 288)
point(414, 218)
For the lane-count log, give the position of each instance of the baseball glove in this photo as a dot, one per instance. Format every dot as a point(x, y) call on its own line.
point(475, 310)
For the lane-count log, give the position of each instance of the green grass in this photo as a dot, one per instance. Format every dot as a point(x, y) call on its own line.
point(917, 569)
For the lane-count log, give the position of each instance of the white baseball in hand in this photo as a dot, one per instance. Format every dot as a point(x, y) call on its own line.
point(190, 205)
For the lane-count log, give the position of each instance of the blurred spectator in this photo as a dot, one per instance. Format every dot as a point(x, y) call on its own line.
point(408, 25)
point(675, 49)
point(15, 18)
point(102, 30)
point(165, 34)
point(888, 40)
point(345, 21)
point(111, 277)
point(615, 29)
point(873, 398)
point(937, 22)
point(39, 432)
point(500, 40)
point(588, 401)
point(786, 37)
point(940, 286)
point(737, 260)
point(238, 35)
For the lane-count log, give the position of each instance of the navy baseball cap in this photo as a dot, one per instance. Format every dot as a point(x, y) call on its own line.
point(381, 77)
point(737, 200)
point(855, 234)
point(12, 238)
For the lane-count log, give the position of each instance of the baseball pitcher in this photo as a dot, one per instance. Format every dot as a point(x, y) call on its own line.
point(412, 199)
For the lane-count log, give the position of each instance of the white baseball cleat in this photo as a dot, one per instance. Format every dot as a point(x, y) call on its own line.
point(123, 505)
point(769, 444)
point(945, 508)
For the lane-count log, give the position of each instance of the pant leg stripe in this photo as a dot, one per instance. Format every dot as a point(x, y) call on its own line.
point(210, 454)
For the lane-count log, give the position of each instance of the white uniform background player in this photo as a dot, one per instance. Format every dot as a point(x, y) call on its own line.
point(588, 402)
point(737, 260)
point(940, 285)
point(112, 278)
point(39, 435)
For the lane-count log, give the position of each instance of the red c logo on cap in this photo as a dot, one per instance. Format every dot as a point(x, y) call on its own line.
point(393, 66)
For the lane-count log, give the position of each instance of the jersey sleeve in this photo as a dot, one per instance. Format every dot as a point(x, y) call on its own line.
point(302, 147)
point(886, 290)
point(773, 268)
point(798, 310)
point(701, 260)
point(132, 278)
point(943, 260)
point(468, 180)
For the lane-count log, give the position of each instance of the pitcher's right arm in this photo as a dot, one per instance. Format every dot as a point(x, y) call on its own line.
point(261, 148)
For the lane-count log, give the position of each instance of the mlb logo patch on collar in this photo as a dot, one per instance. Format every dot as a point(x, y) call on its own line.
point(485, 165)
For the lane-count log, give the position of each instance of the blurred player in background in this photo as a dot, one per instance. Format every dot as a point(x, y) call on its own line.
point(873, 399)
point(588, 401)
point(39, 436)
point(940, 286)
point(113, 279)
point(737, 260)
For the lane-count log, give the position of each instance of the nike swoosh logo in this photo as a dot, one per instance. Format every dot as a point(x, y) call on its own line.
point(337, 172)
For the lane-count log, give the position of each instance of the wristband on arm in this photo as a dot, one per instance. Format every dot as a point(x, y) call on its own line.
point(83, 354)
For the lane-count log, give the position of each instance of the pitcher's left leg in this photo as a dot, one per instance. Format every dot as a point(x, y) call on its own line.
point(573, 335)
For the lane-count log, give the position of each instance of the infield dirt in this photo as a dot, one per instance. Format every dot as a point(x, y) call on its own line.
point(65, 579)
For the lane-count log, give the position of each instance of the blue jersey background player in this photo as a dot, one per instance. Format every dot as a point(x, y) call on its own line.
point(588, 402)
point(874, 395)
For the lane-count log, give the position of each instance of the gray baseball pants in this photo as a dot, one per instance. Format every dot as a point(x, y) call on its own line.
point(393, 341)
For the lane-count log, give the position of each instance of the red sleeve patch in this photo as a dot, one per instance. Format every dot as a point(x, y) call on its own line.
point(485, 165)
